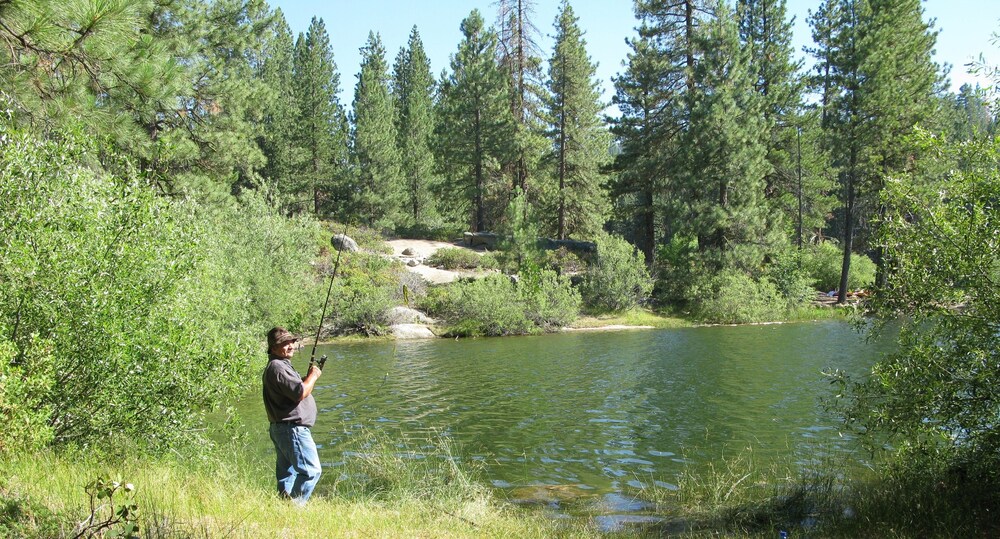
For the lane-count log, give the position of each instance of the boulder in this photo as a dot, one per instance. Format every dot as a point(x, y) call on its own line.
point(413, 263)
point(408, 252)
point(406, 315)
point(486, 239)
point(342, 242)
point(411, 331)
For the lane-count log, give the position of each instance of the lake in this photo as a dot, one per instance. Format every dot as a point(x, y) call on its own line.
point(604, 412)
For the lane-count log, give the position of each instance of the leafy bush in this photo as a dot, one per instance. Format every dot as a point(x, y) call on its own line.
point(617, 280)
point(451, 258)
point(823, 264)
point(497, 305)
point(549, 302)
point(25, 380)
point(364, 292)
point(564, 261)
point(151, 310)
point(789, 276)
point(733, 297)
point(487, 306)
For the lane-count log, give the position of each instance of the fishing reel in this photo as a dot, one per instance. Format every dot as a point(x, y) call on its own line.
point(320, 363)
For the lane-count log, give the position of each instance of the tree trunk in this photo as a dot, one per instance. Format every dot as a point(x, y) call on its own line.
point(845, 269)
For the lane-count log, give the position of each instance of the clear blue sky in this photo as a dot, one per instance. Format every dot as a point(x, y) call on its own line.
point(966, 28)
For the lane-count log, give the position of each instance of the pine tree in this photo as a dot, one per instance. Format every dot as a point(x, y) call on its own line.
point(722, 181)
point(378, 188)
point(635, 183)
point(413, 91)
point(880, 81)
point(321, 128)
point(74, 61)
point(277, 138)
point(209, 149)
point(973, 118)
point(579, 138)
point(767, 35)
point(475, 121)
point(520, 57)
point(652, 97)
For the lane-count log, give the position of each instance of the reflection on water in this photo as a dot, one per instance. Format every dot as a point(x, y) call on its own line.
point(601, 411)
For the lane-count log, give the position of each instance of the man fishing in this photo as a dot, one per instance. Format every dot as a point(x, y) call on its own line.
point(291, 410)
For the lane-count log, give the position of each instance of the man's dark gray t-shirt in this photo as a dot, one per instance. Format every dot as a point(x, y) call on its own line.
point(282, 391)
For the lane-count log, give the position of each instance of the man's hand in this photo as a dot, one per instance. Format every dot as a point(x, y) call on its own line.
point(310, 382)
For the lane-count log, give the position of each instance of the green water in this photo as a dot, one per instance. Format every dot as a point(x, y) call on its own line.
point(602, 411)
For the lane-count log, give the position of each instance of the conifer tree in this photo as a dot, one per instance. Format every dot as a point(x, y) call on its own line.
point(972, 116)
point(211, 148)
point(413, 92)
point(520, 57)
point(634, 186)
point(321, 127)
point(277, 137)
point(766, 33)
point(378, 184)
point(579, 138)
point(722, 180)
point(67, 61)
point(652, 97)
point(880, 81)
point(475, 122)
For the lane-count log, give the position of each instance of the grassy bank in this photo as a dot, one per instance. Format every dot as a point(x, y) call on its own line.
point(45, 496)
point(379, 492)
point(644, 317)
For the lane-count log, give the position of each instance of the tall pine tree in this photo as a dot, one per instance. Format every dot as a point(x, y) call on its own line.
point(766, 33)
point(577, 132)
point(475, 123)
point(277, 138)
point(413, 91)
point(321, 128)
point(520, 57)
point(652, 98)
point(378, 190)
point(879, 81)
point(721, 185)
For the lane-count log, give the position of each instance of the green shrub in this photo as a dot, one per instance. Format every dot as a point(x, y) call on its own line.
point(791, 279)
point(451, 258)
point(152, 310)
point(823, 263)
point(564, 261)
point(365, 290)
point(617, 280)
point(26, 379)
point(732, 297)
point(549, 300)
point(487, 306)
point(497, 305)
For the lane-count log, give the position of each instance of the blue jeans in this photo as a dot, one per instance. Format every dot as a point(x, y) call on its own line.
point(297, 466)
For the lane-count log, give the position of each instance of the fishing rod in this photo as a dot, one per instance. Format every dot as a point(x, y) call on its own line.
point(312, 358)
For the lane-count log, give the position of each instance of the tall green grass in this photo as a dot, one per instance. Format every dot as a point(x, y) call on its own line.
point(739, 496)
point(384, 489)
